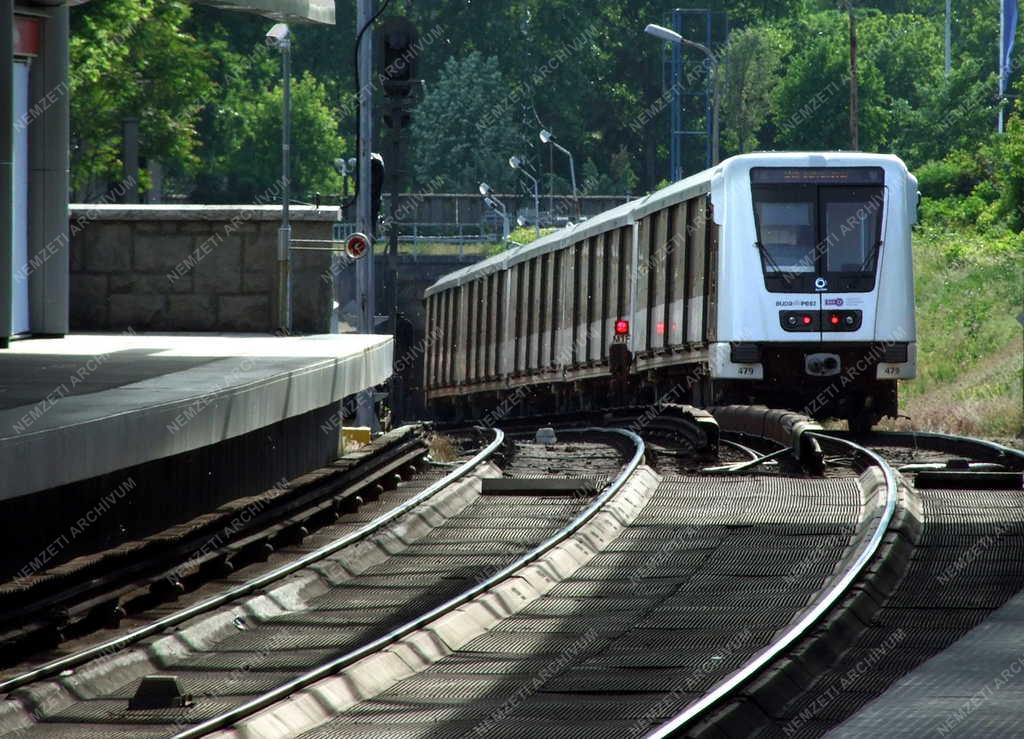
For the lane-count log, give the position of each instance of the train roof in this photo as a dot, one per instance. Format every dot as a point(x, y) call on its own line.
point(628, 213)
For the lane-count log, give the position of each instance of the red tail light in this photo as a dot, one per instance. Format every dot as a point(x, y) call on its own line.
point(621, 327)
point(807, 320)
point(834, 319)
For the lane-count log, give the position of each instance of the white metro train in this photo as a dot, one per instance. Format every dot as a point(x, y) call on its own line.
point(778, 278)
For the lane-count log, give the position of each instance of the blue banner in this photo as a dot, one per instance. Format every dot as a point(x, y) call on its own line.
point(1008, 28)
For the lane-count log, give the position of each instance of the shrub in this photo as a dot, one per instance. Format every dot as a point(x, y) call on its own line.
point(958, 174)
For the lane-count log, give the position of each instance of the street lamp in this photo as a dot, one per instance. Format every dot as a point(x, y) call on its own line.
point(549, 138)
point(667, 34)
point(494, 203)
point(517, 163)
point(280, 37)
point(345, 167)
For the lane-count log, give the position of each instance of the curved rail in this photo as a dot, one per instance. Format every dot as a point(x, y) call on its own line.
point(752, 453)
point(117, 644)
point(329, 668)
point(941, 442)
point(731, 683)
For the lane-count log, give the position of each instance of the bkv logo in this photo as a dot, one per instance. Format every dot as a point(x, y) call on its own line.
point(837, 302)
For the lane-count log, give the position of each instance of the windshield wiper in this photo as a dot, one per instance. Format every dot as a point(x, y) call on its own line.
point(871, 256)
point(769, 258)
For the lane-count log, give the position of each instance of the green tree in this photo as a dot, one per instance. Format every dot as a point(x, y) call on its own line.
point(956, 114)
point(1008, 176)
point(467, 126)
point(248, 127)
point(131, 59)
point(748, 74)
point(811, 108)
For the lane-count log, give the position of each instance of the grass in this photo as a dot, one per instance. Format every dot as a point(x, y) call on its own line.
point(970, 346)
point(523, 235)
point(441, 249)
point(442, 448)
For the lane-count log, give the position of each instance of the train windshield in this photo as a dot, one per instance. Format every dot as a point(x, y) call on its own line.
point(787, 230)
point(853, 219)
point(817, 236)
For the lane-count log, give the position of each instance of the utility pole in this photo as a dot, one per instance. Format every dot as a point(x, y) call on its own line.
point(280, 37)
point(365, 414)
point(284, 236)
point(854, 103)
point(949, 37)
point(1007, 27)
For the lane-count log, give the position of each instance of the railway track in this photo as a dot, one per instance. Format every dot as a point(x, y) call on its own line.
point(97, 592)
point(388, 499)
point(590, 594)
point(670, 609)
point(733, 597)
point(370, 591)
point(584, 663)
point(962, 564)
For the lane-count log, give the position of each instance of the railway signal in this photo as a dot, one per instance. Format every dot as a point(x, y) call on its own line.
point(397, 40)
point(357, 245)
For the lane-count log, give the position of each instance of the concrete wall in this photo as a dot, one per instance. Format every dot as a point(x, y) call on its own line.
point(193, 268)
point(415, 274)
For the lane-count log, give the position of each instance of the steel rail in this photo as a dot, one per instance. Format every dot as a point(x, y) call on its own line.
point(752, 453)
point(117, 644)
point(992, 447)
point(81, 598)
point(742, 466)
point(329, 668)
point(732, 682)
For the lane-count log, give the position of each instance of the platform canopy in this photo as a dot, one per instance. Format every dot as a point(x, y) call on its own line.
point(290, 11)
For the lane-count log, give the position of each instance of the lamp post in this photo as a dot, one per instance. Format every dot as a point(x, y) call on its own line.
point(549, 138)
point(517, 163)
point(667, 34)
point(345, 167)
point(279, 37)
point(494, 203)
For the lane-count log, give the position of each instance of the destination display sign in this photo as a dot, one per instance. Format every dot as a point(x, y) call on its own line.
point(817, 175)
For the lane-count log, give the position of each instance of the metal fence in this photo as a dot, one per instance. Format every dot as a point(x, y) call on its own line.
point(460, 219)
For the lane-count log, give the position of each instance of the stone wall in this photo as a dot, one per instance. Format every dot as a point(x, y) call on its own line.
point(214, 268)
point(194, 268)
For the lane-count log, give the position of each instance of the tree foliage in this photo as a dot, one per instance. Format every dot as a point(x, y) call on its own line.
point(249, 132)
point(467, 126)
point(204, 86)
point(130, 59)
point(748, 73)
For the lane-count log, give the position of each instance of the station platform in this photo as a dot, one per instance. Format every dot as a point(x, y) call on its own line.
point(974, 688)
point(195, 419)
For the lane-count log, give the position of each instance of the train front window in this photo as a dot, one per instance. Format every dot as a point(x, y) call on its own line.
point(818, 229)
point(786, 232)
point(852, 221)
